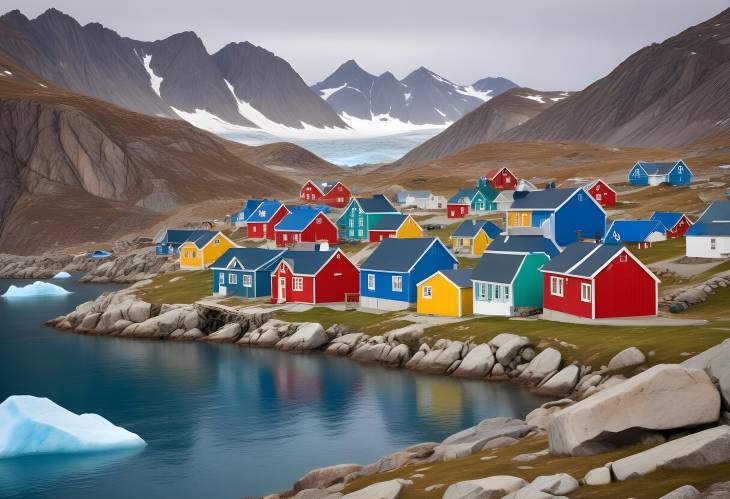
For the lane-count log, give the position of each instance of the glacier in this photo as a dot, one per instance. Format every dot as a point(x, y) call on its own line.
point(36, 425)
point(38, 288)
point(62, 275)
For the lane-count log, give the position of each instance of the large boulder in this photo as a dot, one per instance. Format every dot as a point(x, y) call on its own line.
point(719, 490)
point(626, 360)
point(410, 335)
point(477, 363)
point(493, 487)
point(322, 478)
point(697, 450)
point(400, 458)
point(139, 311)
point(560, 484)
point(716, 362)
point(545, 363)
point(664, 397)
point(598, 476)
point(438, 361)
point(227, 334)
point(371, 352)
point(308, 336)
point(684, 492)
point(476, 438)
point(382, 490)
point(562, 383)
point(509, 350)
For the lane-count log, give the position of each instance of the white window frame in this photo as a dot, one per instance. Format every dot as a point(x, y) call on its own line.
point(232, 278)
point(598, 196)
point(427, 292)
point(371, 282)
point(557, 286)
point(297, 284)
point(246, 281)
point(586, 292)
point(396, 283)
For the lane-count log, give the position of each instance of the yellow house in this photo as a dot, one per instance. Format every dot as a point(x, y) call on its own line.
point(473, 237)
point(447, 292)
point(202, 248)
point(519, 219)
point(394, 225)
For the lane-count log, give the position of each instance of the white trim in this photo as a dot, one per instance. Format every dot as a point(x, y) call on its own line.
point(554, 289)
point(313, 184)
point(281, 205)
point(589, 287)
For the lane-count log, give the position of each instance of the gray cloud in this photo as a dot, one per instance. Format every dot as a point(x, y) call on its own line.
point(545, 44)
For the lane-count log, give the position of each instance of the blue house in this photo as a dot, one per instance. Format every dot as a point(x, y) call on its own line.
point(675, 173)
point(636, 232)
point(239, 219)
point(245, 271)
point(562, 215)
point(168, 241)
point(389, 277)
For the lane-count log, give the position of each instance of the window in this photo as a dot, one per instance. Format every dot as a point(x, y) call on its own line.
point(580, 197)
point(352, 222)
point(586, 292)
point(232, 278)
point(216, 241)
point(427, 292)
point(361, 220)
point(713, 243)
point(285, 237)
point(623, 258)
point(352, 233)
point(556, 286)
point(319, 220)
point(297, 283)
point(480, 291)
point(246, 281)
point(397, 283)
point(680, 169)
point(359, 232)
point(598, 197)
point(221, 279)
point(507, 178)
point(371, 282)
point(636, 173)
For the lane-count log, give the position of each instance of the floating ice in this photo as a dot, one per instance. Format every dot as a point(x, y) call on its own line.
point(62, 275)
point(38, 288)
point(34, 425)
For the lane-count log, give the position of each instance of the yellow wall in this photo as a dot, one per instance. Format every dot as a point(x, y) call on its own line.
point(206, 256)
point(444, 298)
point(409, 229)
point(480, 243)
point(190, 257)
point(519, 219)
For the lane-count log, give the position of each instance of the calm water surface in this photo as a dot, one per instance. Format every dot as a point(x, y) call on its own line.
point(220, 421)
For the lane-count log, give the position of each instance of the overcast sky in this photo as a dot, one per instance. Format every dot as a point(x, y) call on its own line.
point(544, 44)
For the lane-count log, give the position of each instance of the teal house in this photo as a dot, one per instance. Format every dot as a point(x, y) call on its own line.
point(489, 193)
point(361, 215)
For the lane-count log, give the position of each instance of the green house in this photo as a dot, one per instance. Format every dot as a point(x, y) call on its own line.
point(489, 193)
point(361, 214)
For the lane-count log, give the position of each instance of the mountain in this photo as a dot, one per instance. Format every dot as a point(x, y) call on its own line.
point(485, 123)
point(78, 170)
point(176, 77)
point(666, 94)
point(421, 98)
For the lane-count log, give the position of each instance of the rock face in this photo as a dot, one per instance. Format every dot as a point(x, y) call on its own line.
point(383, 490)
point(308, 336)
point(716, 362)
point(543, 364)
point(697, 450)
point(477, 363)
point(493, 487)
point(626, 359)
point(562, 383)
point(661, 398)
point(321, 478)
point(476, 438)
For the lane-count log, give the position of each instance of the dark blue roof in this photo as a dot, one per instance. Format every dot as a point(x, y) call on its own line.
point(497, 267)
point(305, 261)
point(460, 277)
point(264, 212)
point(633, 231)
point(468, 228)
point(715, 221)
point(548, 199)
point(464, 196)
point(390, 222)
point(582, 259)
point(668, 218)
point(398, 255)
point(297, 220)
point(201, 237)
point(175, 236)
point(523, 245)
point(660, 168)
point(376, 204)
point(493, 230)
point(250, 258)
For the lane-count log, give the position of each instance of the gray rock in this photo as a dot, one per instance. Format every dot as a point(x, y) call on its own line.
point(139, 311)
point(477, 363)
point(717, 491)
point(89, 322)
point(685, 492)
point(501, 339)
point(560, 484)
point(382, 490)
point(716, 363)
point(493, 487)
point(227, 334)
point(474, 439)
point(626, 360)
point(438, 361)
point(697, 450)
point(400, 458)
point(562, 383)
point(663, 397)
point(368, 352)
point(509, 350)
point(317, 494)
point(322, 478)
point(598, 476)
point(308, 336)
point(409, 335)
point(193, 334)
point(397, 356)
point(546, 362)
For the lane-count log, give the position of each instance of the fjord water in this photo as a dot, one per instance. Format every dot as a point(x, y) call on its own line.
point(219, 421)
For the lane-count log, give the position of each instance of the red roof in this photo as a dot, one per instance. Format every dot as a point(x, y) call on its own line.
point(493, 173)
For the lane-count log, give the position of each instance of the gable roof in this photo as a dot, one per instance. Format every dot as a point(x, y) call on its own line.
point(307, 262)
point(175, 236)
point(714, 221)
point(659, 168)
point(524, 185)
point(588, 259)
point(202, 237)
point(592, 183)
point(464, 196)
point(265, 211)
point(633, 231)
point(376, 204)
point(249, 258)
point(493, 173)
point(390, 222)
point(468, 228)
point(493, 230)
point(298, 220)
point(400, 255)
point(497, 267)
point(461, 278)
point(547, 199)
point(251, 205)
point(668, 218)
point(523, 245)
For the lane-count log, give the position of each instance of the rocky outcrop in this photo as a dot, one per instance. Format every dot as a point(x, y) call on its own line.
point(682, 299)
point(716, 363)
point(476, 438)
point(664, 397)
point(493, 487)
point(383, 490)
point(321, 478)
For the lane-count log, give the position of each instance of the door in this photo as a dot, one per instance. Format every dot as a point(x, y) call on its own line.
point(222, 284)
point(282, 290)
point(525, 220)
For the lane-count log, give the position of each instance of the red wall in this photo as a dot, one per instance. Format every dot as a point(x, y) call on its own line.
point(500, 180)
point(310, 190)
point(624, 289)
point(338, 191)
point(304, 296)
point(570, 302)
point(375, 236)
point(329, 286)
point(608, 197)
point(678, 230)
point(457, 210)
point(325, 231)
point(256, 229)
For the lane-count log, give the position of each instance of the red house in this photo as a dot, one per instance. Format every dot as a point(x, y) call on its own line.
point(307, 226)
point(676, 223)
point(325, 276)
point(502, 179)
point(601, 192)
point(335, 194)
point(598, 281)
point(260, 224)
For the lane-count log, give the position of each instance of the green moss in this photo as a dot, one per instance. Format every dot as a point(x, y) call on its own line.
point(372, 324)
point(178, 287)
point(664, 250)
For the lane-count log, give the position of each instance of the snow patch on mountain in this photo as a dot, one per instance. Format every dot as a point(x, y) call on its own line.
point(326, 92)
point(155, 81)
point(537, 98)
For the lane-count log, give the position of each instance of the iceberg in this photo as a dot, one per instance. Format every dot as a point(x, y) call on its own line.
point(35, 425)
point(62, 275)
point(38, 288)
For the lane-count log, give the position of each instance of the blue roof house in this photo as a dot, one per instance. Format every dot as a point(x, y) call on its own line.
point(239, 219)
point(389, 277)
point(639, 232)
point(562, 215)
point(709, 237)
point(675, 173)
point(245, 272)
point(168, 241)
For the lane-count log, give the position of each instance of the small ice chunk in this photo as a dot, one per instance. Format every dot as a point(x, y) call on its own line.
point(35, 425)
point(62, 275)
point(38, 288)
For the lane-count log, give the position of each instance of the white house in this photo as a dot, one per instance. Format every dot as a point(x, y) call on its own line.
point(709, 237)
point(424, 200)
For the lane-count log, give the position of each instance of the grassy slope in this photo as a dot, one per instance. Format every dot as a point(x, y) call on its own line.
point(372, 324)
point(178, 287)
